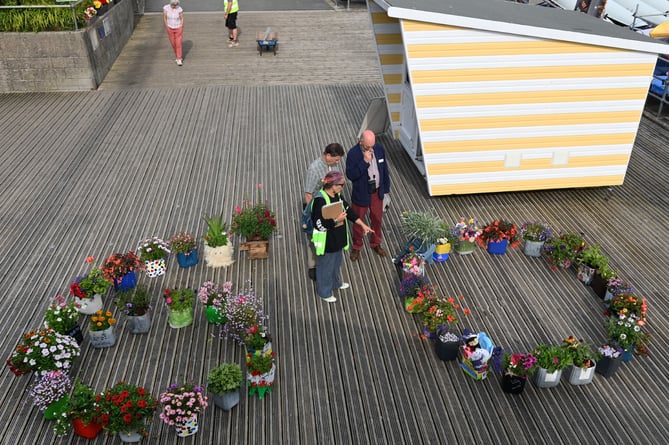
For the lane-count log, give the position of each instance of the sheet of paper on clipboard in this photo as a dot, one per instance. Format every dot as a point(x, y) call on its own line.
point(332, 211)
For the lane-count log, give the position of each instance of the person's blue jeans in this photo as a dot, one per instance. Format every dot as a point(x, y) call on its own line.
point(327, 273)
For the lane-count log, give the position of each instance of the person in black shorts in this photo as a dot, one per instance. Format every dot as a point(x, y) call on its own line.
point(231, 8)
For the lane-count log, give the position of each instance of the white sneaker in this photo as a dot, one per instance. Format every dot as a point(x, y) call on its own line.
point(179, 62)
point(330, 299)
point(344, 286)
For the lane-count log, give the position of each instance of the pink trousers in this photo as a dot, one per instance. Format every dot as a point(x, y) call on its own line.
point(175, 35)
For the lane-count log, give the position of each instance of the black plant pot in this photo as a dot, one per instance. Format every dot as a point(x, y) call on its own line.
point(598, 285)
point(512, 384)
point(76, 333)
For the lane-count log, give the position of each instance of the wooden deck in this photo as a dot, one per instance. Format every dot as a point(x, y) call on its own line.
point(158, 147)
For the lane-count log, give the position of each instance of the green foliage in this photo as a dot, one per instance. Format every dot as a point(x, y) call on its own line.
point(423, 226)
point(224, 378)
point(179, 299)
point(564, 249)
point(217, 231)
point(134, 302)
point(591, 256)
point(41, 19)
point(552, 358)
point(94, 283)
point(582, 353)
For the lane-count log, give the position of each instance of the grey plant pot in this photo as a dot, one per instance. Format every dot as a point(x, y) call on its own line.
point(226, 401)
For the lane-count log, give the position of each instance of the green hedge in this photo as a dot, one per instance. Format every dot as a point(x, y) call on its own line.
point(41, 19)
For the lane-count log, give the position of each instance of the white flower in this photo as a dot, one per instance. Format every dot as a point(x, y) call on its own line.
point(32, 362)
point(623, 336)
point(45, 352)
point(52, 348)
point(637, 328)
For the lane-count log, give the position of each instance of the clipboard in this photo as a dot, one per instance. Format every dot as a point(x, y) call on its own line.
point(333, 210)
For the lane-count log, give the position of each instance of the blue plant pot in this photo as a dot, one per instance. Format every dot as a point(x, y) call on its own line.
point(127, 282)
point(498, 247)
point(186, 260)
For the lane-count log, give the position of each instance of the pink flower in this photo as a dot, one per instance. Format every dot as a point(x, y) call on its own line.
point(238, 210)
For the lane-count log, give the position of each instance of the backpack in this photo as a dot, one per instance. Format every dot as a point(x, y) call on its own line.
point(307, 223)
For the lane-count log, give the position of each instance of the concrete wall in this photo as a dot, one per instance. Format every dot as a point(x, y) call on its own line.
point(68, 60)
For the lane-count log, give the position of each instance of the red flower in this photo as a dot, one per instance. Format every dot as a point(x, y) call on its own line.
point(127, 418)
point(141, 404)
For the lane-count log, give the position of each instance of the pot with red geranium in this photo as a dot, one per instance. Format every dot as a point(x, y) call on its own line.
point(260, 372)
point(120, 269)
point(185, 246)
point(125, 409)
point(82, 414)
point(584, 361)
point(87, 291)
point(551, 361)
point(534, 235)
point(255, 222)
point(498, 235)
point(257, 339)
point(180, 305)
point(181, 405)
point(516, 368)
point(414, 290)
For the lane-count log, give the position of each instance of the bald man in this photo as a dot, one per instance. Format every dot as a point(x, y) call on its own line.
point(367, 169)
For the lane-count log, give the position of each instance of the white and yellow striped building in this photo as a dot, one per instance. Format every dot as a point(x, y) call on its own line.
point(491, 95)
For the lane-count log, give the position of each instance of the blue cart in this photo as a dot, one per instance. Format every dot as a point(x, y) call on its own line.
point(267, 41)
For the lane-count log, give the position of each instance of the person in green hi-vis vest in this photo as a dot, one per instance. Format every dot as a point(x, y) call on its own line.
point(331, 235)
point(231, 10)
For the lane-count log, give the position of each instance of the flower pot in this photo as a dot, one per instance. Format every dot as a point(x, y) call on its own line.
point(155, 268)
point(130, 436)
point(607, 366)
point(126, 282)
point(465, 247)
point(76, 334)
point(442, 249)
point(261, 383)
point(87, 430)
point(267, 348)
point(446, 351)
point(187, 427)
point(429, 334)
point(139, 324)
point(89, 306)
point(545, 379)
point(608, 296)
point(513, 384)
point(580, 376)
point(599, 285)
point(627, 354)
point(214, 315)
point(188, 259)
point(102, 339)
point(227, 400)
point(257, 249)
point(180, 319)
point(498, 247)
point(56, 408)
point(218, 256)
point(585, 274)
point(533, 248)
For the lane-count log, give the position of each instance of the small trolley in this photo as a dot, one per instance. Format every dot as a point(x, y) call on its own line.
point(267, 41)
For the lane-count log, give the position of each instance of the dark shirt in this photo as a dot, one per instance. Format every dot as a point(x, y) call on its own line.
point(356, 172)
point(336, 238)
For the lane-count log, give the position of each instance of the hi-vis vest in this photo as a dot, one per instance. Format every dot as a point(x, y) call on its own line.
point(319, 237)
point(235, 6)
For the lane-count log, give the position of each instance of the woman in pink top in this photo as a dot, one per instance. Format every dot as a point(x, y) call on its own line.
point(173, 16)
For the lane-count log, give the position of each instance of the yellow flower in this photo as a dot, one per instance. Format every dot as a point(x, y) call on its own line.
point(112, 321)
point(99, 324)
point(97, 4)
point(108, 314)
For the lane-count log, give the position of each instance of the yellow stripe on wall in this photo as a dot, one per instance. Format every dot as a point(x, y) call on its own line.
point(394, 98)
point(536, 184)
point(381, 18)
point(411, 25)
point(419, 50)
point(395, 116)
point(530, 73)
point(529, 120)
point(527, 143)
point(391, 59)
point(392, 79)
point(525, 164)
point(388, 39)
point(529, 97)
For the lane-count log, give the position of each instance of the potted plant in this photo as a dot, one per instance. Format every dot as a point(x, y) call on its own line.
point(601, 278)
point(590, 260)
point(534, 235)
point(260, 372)
point(628, 304)
point(81, 414)
point(217, 247)
point(242, 310)
point(627, 332)
point(616, 286)
point(50, 394)
point(124, 410)
point(43, 350)
point(120, 270)
point(609, 361)
point(436, 315)
point(444, 245)
point(447, 344)
point(185, 246)
point(87, 291)
point(551, 361)
point(153, 251)
point(584, 360)
point(135, 304)
point(257, 339)
point(224, 382)
point(561, 251)
point(63, 317)
point(255, 222)
point(415, 291)
point(101, 329)
point(181, 405)
point(426, 228)
point(213, 297)
point(412, 263)
point(498, 235)
point(517, 367)
point(180, 305)
point(466, 231)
